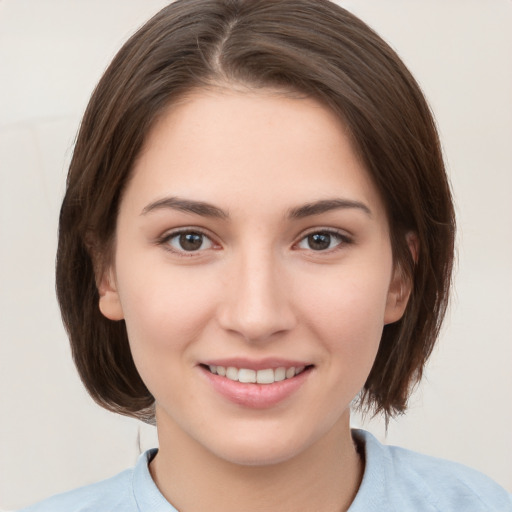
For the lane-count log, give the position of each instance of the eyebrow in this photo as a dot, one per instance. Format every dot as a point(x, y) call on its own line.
point(186, 205)
point(326, 205)
point(208, 210)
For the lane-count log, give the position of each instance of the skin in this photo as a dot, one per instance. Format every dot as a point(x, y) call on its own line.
point(257, 287)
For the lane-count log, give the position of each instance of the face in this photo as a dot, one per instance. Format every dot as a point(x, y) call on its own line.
point(252, 245)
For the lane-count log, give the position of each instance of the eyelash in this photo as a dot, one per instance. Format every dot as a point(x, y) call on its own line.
point(165, 241)
point(342, 240)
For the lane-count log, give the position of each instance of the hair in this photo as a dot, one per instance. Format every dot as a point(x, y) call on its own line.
point(317, 49)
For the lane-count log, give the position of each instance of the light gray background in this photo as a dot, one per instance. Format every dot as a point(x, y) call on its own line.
point(52, 52)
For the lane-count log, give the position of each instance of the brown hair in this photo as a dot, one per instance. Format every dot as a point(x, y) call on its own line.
point(315, 48)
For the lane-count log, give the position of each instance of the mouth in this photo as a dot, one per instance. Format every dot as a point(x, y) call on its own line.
point(262, 376)
point(256, 384)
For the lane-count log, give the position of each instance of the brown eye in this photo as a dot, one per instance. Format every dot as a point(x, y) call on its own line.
point(189, 241)
point(322, 241)
point(319, 241)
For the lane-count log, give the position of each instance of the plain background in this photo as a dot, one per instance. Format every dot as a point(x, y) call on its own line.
point(52, 52)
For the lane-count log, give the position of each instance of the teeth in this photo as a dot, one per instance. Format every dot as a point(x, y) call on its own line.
point(267, 376)
point(245, 375)
point(232, 373)
point(279, 374)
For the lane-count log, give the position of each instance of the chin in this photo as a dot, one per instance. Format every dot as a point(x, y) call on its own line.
point(260, 450)
point(256, 456)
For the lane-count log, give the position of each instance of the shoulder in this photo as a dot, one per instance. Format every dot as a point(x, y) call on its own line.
point(447, 485)
point(113, 494)
point(411, 481)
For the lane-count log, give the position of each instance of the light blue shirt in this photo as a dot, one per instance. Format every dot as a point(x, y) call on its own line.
point(395, 480)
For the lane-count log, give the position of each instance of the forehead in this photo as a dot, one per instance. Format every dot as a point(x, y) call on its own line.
point(225, 146)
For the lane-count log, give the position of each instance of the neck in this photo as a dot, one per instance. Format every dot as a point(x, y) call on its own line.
point(324, 477)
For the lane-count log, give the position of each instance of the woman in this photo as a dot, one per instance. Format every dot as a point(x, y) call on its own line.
point(258, 229)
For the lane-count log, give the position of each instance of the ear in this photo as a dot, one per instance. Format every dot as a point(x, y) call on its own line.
point(109, 303)
point(401, 285)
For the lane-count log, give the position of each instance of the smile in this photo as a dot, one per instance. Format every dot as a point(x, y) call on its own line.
point(249, 376)
point(256, 384)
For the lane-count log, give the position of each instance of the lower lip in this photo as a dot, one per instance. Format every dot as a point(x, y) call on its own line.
point(256, 396)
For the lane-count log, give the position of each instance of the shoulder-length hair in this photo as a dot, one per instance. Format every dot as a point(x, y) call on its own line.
point(314, 48)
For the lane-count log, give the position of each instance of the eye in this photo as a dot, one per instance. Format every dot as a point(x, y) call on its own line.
point(188, 241)
point(322, 241)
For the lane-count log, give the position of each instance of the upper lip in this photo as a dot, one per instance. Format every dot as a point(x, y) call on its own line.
point(260, 364)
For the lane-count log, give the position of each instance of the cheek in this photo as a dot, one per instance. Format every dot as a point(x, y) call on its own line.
point(346, 311)
point(165, 309)
point(354, 297)
point(165, 314)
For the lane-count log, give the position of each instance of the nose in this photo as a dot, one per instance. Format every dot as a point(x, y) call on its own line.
point(257, 301)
